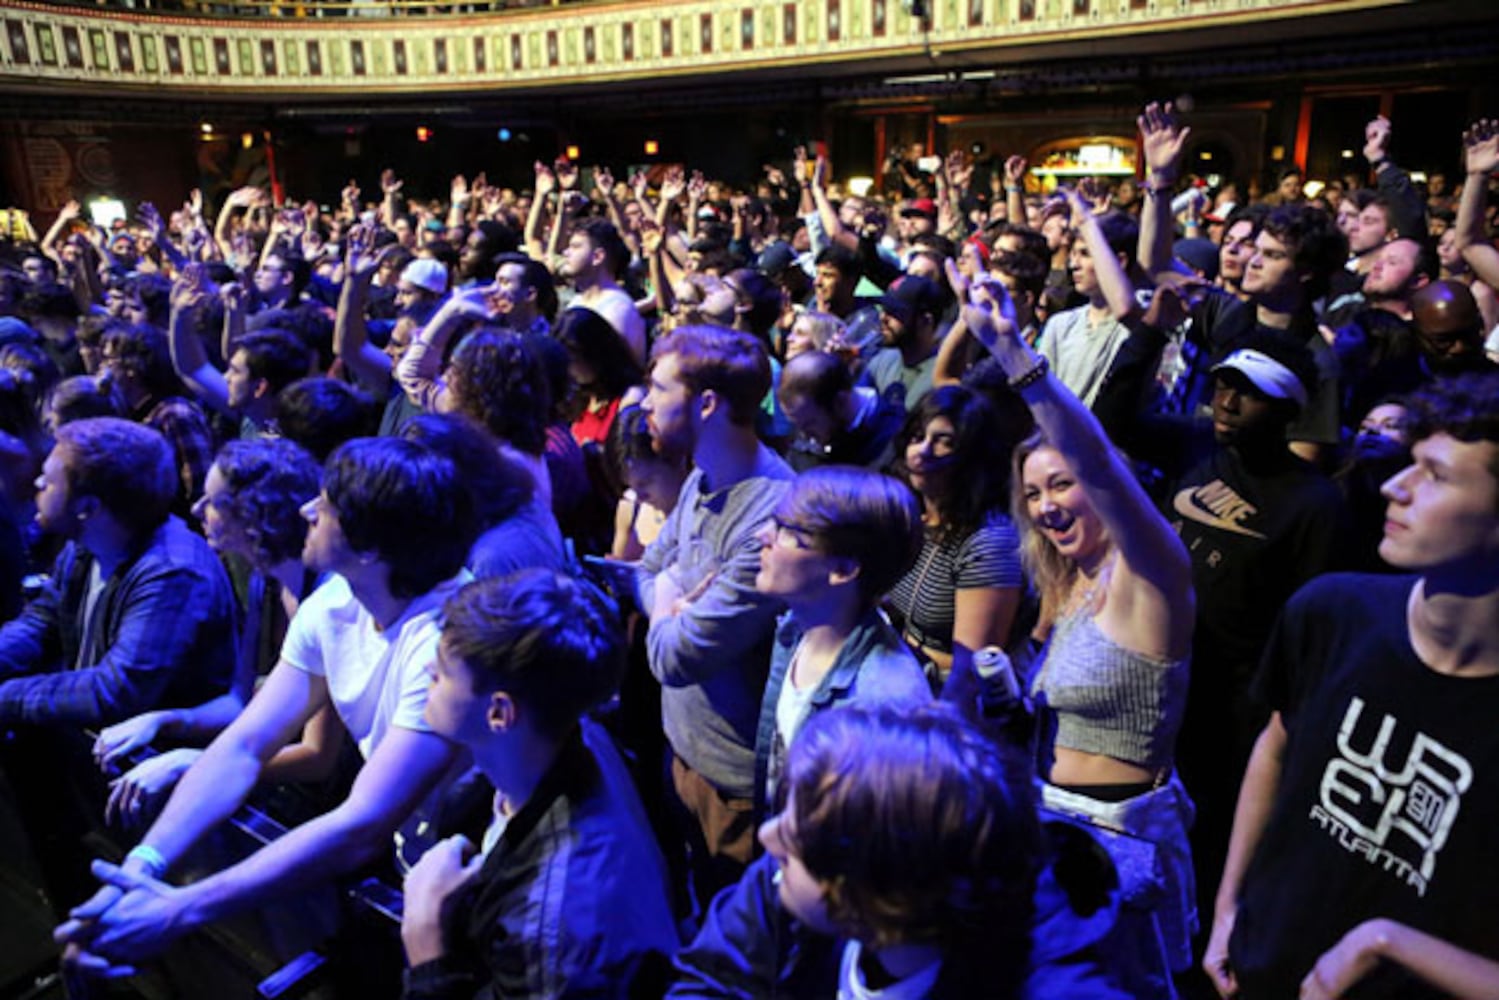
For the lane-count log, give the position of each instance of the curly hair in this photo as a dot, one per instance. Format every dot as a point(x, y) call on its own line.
point(1318, 247)
point(917, 826)
point(499, 485)
point(499, 380)
point(269, 480)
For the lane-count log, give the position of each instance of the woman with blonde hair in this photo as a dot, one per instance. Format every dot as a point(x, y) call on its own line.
point(1117, 611)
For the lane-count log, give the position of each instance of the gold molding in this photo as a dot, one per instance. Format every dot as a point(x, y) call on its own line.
point(588, 43)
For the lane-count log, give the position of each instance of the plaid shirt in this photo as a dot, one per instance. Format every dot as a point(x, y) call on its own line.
point(164, 626)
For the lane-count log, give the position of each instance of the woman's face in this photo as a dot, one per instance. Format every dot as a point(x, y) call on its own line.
point(930, 457)
point(1057, 504)
point(799, 340)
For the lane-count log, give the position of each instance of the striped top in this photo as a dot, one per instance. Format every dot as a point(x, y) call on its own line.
point(1105, 699)
point(925, 597)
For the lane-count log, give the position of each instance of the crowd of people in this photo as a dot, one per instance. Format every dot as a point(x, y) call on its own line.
point(776, 591)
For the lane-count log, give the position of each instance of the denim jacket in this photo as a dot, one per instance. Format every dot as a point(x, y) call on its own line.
point(874, 667)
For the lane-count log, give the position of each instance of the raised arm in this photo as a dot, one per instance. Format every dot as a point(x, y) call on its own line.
point(1151, 552)
point(350, 335)
point(545, 184)
point(420, 370)
point(390, 205)
point(833, 226)
point(1394, 183)
point(65, 215)
point(188, 356)
point(1481, 158)
point(1117, 289)
point(1162, 139)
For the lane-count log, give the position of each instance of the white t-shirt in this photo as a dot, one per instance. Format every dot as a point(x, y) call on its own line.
point(376, 678)
point(851, 985)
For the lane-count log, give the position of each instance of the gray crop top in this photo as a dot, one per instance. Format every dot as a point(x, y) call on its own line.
point(1108, 700)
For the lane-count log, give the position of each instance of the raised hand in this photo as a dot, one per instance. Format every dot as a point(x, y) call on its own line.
point(245, 197)
point(673, 184)
point(567, 174)
point(775, 176)
point(188, 294)
point(1377, 140)
point(799, 164)
point(361, 258)
point(389, 182)
point(69, 211)
point(458, 191)
point(546, 181)
point(350, 195)
point(697, 187)
point(1091, 196)
point(956, 279)
point(235, 297)
point(1015, 167)
point(1162, 139)
point(603, 179)
point(650, 237)
point(1481, 147)
point(820, 171)
point(639, 182)
point(151, 219)
point(194, 203)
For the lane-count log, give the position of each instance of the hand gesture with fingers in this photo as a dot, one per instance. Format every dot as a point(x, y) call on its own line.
point(1481, 147)
point(1162, 139)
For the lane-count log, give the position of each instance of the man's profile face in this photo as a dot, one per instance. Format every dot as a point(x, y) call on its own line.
point(670, 408)
point(325, 550)
point(1393, 271)
point(1347, 218)
point(239, 384)
point(1444, 507)
point(54, 513)
point(453, 710)
point(1272, 269)
point(1237, 248)
point(1373, 229)
point(828, 284)
point(577, 257)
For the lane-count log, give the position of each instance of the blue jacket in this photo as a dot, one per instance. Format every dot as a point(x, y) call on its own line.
point(751, 947)
point(874, 667)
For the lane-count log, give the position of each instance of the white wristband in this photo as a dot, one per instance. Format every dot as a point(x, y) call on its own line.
point(149, 856)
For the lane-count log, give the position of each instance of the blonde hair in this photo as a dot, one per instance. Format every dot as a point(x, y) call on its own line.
point(1051, 572)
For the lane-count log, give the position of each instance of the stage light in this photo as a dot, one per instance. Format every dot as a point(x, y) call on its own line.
point(652, 147)
point(423, 133)
point(247, 139)
point(504, 135)
point(573, 152)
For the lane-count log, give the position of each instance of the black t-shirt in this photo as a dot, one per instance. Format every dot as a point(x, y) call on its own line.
point(1255, 538)
point(1388, 802)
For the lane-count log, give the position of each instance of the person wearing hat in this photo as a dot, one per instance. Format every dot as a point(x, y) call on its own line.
point(1259, 522)
point(917, 218)
point(421, 287)
point(902, 370)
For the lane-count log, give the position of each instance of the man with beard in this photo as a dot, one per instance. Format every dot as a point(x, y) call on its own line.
point(138, 615)
point(1376, 340)
point(710, 632)
point(594, 258)
point(485, 243)
point(901, 371)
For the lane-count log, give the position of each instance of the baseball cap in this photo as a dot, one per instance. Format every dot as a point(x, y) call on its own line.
point(1266, 374)
point(920, 206)
point(910, 295)
point(427, 274)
